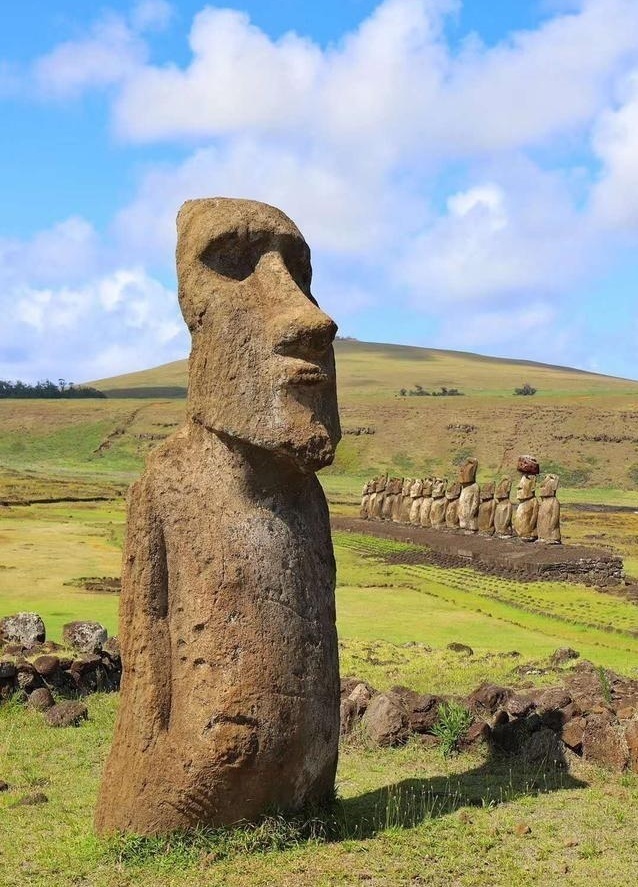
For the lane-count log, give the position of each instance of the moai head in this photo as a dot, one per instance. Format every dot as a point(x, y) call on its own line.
point(407, 484)
point(381, 483)
point(487, 491)
point(439, 486)
point(428, 485)
point(526, 488)
point(416, 490)
point(549, 486)
point(467, 471)
point(453, 491)
point(262, 366)
point(503, 488)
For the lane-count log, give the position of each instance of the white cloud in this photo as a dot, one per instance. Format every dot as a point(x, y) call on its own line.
point(151, 15)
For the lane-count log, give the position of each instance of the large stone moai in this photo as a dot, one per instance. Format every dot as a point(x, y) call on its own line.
point(548, 523)
point(406, 502)
point(378, 497)
point(230, 695)
point(452, 495)
point(439, 503)
point(392, 491)
point(425, 516)
point(416, 497)
point(469, 500)
point(503, 512)
point(364, 510)
point(526, 514)
point(487, 508)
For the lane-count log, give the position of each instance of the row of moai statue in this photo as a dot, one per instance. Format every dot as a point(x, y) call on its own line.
point(464, 505)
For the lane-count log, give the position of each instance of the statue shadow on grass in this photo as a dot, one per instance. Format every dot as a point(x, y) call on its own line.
point(411, 802)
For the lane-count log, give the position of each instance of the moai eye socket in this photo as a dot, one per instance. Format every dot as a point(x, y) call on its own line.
point(233, 255)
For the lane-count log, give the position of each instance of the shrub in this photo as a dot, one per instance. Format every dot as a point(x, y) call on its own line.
point(454, 721)
point(525, 390)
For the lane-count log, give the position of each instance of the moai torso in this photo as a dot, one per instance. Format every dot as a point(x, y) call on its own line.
point(526, 514)
point(406, 501)
point(229, 702)
point(416, 495)
point(439, 504)
point(393, 491)
point(452, 496)
point(487, 507)
point(503, 511)
point(365, 501)
point(425, 514)
point(469, 499)
point(548, 523)
point(378, 498)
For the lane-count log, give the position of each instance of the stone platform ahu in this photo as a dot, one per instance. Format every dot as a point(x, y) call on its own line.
point(230, 689)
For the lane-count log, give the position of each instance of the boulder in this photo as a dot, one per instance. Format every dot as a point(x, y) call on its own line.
point(631, 739)
point(544, 749)
point(460, 648)
point(85, 637)
point(7, 669)
point(386, 721)
point(572, 733)
point(422, 708)
point(46, 666)
point(488, 697)
point(348, 716)
point(605, 744)
point(563, 655)
point(41, 699)
point(66, 714)
point(361, 696)
point(26, 629)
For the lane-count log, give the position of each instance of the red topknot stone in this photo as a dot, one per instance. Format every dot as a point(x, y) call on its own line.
point(528, 465)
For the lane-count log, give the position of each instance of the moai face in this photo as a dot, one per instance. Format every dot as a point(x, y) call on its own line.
point(467, 471)
point(487, 492)
point(428, 485)
point(439, 486)
point(503, 488)
point(381, 484)
point(549, 487)
point(526, 488)
point(262, 366)
point(416, 490)
point(453, 491)
point(407, 484)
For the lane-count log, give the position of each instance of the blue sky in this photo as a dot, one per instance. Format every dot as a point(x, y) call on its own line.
point(466, 173)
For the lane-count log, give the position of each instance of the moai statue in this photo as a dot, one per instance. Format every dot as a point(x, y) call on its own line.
point(393, 489)
point(406, 501)
point(439, 503)
point(416, 496)
point(487, 508)
point(378, 497)
point(504, 509)
point(526, 514)
point(548, 523)
point(469, 501)
point(452, 495)
point(364, 512)
point(230, 693)
point(426, 502)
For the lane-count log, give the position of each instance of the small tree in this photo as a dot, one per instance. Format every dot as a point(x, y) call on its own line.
point(525, 390)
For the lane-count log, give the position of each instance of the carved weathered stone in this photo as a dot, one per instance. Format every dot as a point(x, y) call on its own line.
point(548, 523)
point(378, 497)
point(364, 510)
point(503, 512)
point(468, 507)
point(439, 503)
point(416, 496)
point(526, 514)
point(487, 508)
point(230, 695)
point(425, 517)
point(392, 491)
point(452, 495)
point(403, 515)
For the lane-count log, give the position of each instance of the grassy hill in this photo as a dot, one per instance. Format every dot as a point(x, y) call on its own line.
point(582, 425)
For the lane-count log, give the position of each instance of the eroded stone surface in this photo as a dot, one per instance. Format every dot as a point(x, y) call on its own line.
point(26, 629)
point(230, 692)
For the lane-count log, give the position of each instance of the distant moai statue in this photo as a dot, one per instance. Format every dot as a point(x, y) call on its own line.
point(452, 495)
point(364, 510)
point(393, 490)
point(469, 500)
point(406, 501)
point(487, 509)
point(229, 704)
point(378, 497)
point(439, 503)
point(526, 514)
point(548, 523)
point(416, 497)
point(504, 509)
point(425, 518)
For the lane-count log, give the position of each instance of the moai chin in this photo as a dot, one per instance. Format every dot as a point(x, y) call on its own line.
point(416, 495)
point(487, 508)
point(469, 501)
point(452, 495)
point(230, 694)
point(548, 523)
point(504, 509)
point(526, 514)
point(439, 503)
point(425, 516)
